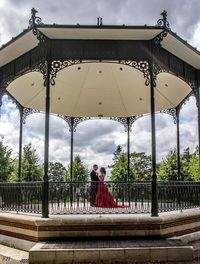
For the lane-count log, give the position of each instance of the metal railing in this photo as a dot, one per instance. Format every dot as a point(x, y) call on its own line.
point(75, 197)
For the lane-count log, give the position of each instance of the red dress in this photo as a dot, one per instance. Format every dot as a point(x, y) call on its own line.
point(104, 198)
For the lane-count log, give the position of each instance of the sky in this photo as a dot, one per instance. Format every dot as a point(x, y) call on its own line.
point(96, 140)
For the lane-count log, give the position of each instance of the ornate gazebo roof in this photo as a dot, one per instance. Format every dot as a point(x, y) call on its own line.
point(109, 73)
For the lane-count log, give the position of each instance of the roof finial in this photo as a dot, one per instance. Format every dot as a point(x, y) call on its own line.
point(99, 21)
point(163, 21)
point(34, 20)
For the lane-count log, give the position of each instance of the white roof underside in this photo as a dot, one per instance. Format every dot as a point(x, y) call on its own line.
point(99, 89)
point(27, 41)
point(101, 33)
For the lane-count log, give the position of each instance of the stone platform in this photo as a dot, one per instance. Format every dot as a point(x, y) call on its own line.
point(102, 238)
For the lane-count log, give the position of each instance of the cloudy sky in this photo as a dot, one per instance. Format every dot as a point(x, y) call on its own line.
point(96, 140)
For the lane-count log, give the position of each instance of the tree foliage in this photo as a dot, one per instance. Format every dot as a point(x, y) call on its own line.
point(31, 170)
point(56, 171)
point(6, 162)
point(167, 169)
point(140, 166)
point(80, 172)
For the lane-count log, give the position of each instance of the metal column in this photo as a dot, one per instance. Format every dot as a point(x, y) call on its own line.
point(20, 144)
point(45, 193)
point(154, 196)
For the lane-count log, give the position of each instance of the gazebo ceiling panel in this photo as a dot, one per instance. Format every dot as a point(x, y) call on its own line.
point(109, 33)
point(18, 47)
point(99, 89)
point(28, 90)
point(170, 89)
point(179, 48)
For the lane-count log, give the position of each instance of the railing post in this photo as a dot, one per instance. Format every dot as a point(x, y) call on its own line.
point(45, 191)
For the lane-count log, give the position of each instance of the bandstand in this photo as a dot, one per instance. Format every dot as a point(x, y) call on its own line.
point(99, 71)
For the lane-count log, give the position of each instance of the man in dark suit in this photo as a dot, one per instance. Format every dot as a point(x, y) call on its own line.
point(94, 184)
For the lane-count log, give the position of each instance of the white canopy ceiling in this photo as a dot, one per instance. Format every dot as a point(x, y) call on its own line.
point(94, 89)
point(27, 41)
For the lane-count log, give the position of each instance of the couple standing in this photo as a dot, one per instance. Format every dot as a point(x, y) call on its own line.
point(100, 196)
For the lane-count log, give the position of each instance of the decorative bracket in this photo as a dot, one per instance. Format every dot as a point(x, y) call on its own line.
point(127, 122)
point(35, 21)
point(162, 23)
point(142, 66)
point(26, 112)
point(172, 112)
point(58, 65)
point(73, 121)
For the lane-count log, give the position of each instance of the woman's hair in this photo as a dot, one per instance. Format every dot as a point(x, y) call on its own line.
point(103, 170)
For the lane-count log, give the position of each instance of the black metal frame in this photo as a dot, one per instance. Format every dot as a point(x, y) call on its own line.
point(52, 55)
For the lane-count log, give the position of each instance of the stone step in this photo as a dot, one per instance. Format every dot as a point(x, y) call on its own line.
point(11, 255)
point(110, 251)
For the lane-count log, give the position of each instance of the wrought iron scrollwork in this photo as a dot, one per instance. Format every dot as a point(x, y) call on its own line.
point(73, 121)
point(163, 22)
point(58, 65)
point(127, 122)
point(26, 112)
point(156, 70)
point(2, 92)
point(159, 38)
point(172, 112)
point(42, 68)
point(142, 66)
point(35, 21)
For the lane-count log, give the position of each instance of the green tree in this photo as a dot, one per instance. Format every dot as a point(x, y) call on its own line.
point(80, 172)
point(140, 166)
point(120, 169)
point(194, 167)
point(31, 170)
point(167, 169)
point(6, 162)
point(56, 171)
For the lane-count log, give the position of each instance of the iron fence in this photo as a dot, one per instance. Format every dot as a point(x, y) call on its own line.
point(75, 197)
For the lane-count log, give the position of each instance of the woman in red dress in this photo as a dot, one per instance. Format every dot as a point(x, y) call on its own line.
point(103, 196)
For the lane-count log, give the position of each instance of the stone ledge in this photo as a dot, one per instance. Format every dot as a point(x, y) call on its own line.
point(35, 228)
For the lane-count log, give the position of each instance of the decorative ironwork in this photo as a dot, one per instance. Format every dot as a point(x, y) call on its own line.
point(134, 196)
point(159, 38)
point(26, 112)
point(156, 70)
point(2, 92)
point(127, 122)
point(73, 121)
point(142, 66)
point(99, 21)
point(58, 65)
point(35, 21)
point(163, 22)
point(172, 112)
point(187, 98)
point(21, 197)
point(42, 67)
